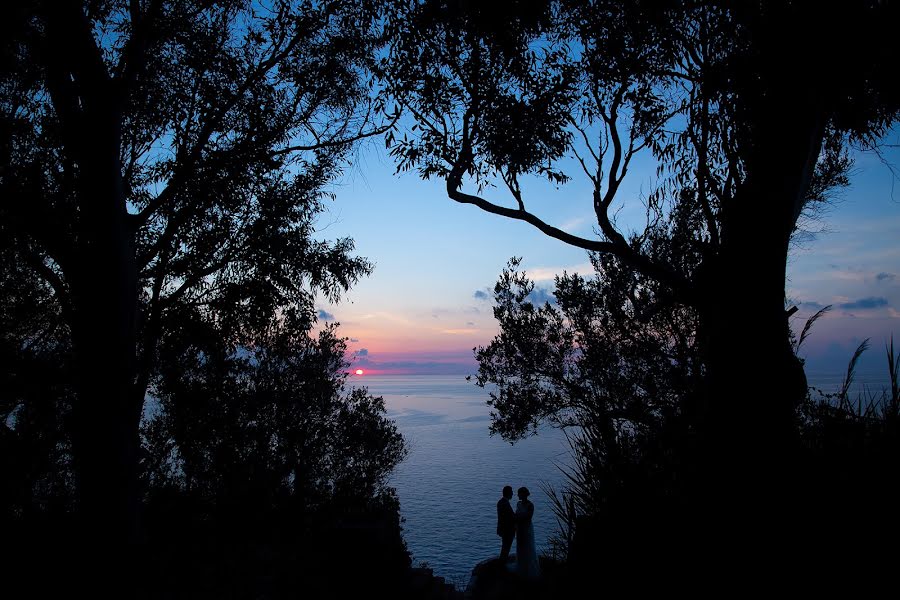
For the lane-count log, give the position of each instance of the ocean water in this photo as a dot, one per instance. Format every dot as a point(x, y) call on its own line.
point(865, 382)
point(451, 481)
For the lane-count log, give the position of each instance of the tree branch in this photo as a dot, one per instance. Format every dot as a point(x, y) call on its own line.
point(597, 159)
point(134, 55)
point(584, 167)
point(703, 173)
point(620, 250)
point(50, 276)
point(602, 201)
point(513, 185)
point(614, 178)
point(209, 127)
point(521, 215)
point(617, 246)
point(227, 253)
point(338, 142)
point(152, 331)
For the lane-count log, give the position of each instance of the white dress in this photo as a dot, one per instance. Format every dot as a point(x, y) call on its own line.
point(526, 550)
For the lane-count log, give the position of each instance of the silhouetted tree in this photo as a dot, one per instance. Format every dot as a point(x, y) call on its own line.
point(259, 451)
point(620, 373)
point(746, 109)
point(593, 361)
point(35, 474)
point(255, 428)
point(161, 157)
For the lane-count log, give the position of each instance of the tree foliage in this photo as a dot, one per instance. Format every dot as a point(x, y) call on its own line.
point(270, 427)
point(603, 363)
point(37, 395)
point(748, 111)
point(162, 168)
point(259, 463)
point(504, 93)
point(233, 118)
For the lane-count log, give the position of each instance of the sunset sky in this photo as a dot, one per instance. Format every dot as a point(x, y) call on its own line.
point(428, 302)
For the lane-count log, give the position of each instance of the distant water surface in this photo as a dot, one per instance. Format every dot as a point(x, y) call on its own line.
point(451, 481)
point(864, 382)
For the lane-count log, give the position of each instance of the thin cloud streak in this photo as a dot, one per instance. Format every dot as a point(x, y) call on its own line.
point(549, 273)
point(575, 223)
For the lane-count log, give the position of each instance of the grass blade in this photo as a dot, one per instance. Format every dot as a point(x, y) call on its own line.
point(851, 373)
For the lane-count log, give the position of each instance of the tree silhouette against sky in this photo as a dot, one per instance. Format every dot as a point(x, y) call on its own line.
point(162, 157)
point(747, 110)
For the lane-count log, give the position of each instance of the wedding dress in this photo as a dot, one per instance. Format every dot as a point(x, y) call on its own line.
point(526, 550)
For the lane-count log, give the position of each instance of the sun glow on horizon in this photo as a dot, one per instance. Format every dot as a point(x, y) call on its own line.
point(359, 371)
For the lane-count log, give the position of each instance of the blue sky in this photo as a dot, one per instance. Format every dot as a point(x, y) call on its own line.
point(853, 264)
point(421, 310)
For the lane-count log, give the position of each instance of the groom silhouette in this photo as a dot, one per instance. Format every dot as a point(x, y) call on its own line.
point(506, 523)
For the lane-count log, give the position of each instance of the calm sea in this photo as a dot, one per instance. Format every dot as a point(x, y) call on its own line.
point(451, 481)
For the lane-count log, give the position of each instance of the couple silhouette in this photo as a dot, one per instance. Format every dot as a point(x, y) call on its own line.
point(517, 524)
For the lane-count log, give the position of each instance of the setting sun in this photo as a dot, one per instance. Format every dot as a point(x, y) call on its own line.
point(359, 371)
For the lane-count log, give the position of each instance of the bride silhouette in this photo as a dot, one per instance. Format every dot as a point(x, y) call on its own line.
point(526, 551)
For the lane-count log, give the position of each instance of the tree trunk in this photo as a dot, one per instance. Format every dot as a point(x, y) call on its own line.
point(748, 435)
point(106, 416)
point(102, 276)
point(104, 330)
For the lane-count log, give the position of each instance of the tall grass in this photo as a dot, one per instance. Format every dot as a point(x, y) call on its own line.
point(868, 404)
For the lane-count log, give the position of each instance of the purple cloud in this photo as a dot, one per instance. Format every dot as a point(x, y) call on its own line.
point(812, 306)
point(885, 276)
point(541, 296)
point(865, 304)
point(325, 315)
point(481, 295)
point(362, 352)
